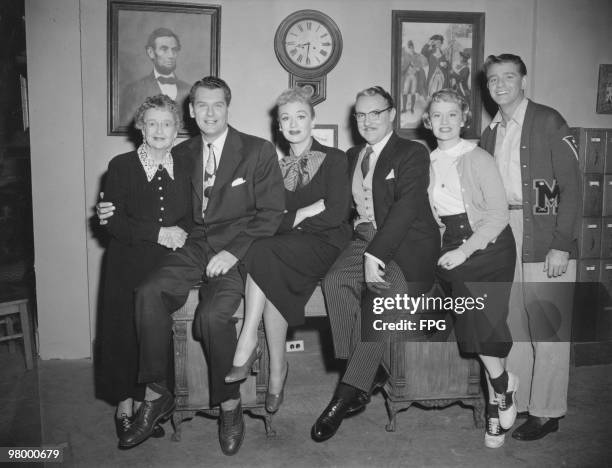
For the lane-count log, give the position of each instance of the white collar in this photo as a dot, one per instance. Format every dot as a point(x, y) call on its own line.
point(150, 166)
point(217, 144)
point(158, 74)
point(378, 147)
point(455, 152)
point(518, 116)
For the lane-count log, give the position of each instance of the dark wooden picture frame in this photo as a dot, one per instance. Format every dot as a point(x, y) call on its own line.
point(421, 63)
point(604, 89)
point(130, 59)
point(326, 134)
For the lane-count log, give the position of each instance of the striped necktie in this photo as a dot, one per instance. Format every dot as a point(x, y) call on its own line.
point(210, 170)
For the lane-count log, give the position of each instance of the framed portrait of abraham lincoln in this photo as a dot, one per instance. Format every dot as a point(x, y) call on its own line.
point(157, 48)
point(432, 50)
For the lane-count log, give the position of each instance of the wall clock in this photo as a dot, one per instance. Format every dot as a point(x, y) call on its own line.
point(308, 44)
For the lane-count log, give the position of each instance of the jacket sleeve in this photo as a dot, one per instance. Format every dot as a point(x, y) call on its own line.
point(269, 202)
point(566, 172)
point(496, 217)
point(337, 197)
point(412, 182)
point(122, 225)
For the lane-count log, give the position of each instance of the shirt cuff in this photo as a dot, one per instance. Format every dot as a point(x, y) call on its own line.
point(377, 260)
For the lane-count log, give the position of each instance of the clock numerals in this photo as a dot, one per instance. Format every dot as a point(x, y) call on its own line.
point(309, 43)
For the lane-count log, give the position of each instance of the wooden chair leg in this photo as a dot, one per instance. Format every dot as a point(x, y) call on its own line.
point(26, 330)
point(10, 330)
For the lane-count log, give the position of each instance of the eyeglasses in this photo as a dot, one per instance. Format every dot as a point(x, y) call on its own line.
point(164, 124)
point(372, 115)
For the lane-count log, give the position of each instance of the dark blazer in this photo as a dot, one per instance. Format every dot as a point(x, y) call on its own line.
point(332, 185)
point(137, 215)
point(247, 200)
point(406, 229)
point(134, 94)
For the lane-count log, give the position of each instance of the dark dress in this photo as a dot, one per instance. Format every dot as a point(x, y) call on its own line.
point(289, 265)
point(141, 209)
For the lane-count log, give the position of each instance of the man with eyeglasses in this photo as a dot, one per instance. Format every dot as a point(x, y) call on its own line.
point(394, 249)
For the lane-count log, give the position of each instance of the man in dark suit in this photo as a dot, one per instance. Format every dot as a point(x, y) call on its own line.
point(163, 47)
point(238, 196)
point(394, 249)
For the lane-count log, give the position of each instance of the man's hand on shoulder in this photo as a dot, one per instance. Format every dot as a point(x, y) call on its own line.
point(220, 264)
point(556, 262)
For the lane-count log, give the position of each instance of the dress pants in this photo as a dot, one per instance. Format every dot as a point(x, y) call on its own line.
point(343, 287)
point(165, 290)
point(542, 366)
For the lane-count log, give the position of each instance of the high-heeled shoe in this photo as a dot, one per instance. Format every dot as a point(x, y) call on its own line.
point(239, 373)
point(274, 400)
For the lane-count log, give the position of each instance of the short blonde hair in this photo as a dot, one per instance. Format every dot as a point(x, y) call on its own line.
point(296, 94)
point(447, 95)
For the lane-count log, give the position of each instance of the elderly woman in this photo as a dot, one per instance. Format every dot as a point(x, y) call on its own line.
point(468, 199)
point(284, 270)
point(151, 193)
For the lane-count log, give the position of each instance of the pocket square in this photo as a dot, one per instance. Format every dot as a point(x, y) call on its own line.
point(390, 175)
point(238, 181)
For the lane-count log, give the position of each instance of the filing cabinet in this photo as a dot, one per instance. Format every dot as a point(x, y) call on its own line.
point(592, 194)
point(607, 194)
point(593, 305)
point(590, 238)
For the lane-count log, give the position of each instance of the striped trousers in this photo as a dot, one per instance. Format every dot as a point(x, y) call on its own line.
point(343, 287)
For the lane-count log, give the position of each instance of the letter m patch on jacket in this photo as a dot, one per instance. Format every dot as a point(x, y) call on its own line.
point(547, 197)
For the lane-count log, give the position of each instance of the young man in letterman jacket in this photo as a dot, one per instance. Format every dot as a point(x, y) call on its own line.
point(538, 161)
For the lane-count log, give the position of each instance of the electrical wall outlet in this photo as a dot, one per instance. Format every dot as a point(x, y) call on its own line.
point(295, 346)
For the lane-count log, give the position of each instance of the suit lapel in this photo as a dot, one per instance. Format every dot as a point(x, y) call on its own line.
point(230, 158)
point(195, 151)
point(354, 157)
point(383, 165)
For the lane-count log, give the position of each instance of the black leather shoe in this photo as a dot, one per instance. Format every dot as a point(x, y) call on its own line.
point(231, 430)
point(123, 423)
point(535, 428)
point(328, 423)
point(360, 401)
point(147, 417)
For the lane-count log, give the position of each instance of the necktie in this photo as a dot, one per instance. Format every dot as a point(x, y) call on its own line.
point(166, 79)
point(210, 170)
point(365, 162)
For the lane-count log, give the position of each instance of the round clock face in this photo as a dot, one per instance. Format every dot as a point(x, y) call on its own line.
point(309, 43)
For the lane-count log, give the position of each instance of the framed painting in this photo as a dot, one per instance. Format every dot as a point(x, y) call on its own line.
point(604, 89)
point(327, 135)
point(157, 48)
point(432, 50)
